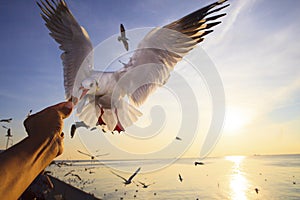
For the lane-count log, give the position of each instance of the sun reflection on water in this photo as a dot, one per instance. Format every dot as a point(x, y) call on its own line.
point(238, 182)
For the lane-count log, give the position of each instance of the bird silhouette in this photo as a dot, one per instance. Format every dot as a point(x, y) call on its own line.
point(8, 133)
point(178, 138)
point(70, 172)
point(180, 178)
point(129, 180)
point(92, 156)
point(256, 190)
point(78, 125)
point(76, 175)
point(5, 127)
point(73, 129)
point(123, 37)
point(198, 163)
point(146, 185)
point(6, 120)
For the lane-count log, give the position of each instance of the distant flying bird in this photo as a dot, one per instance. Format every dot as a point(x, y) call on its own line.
point(178, 138)
point(70, 172)
point(93, 156)
point(8, 133)
point(256, 190)
point(123, 37)
point(76, 175)
point(6, 120)
point(73, 129)
point(160, 51)
point(180, 177)
point(127, 181)
point(78, 125)
point(146, 185)
point(198, 163)
point(5, 127)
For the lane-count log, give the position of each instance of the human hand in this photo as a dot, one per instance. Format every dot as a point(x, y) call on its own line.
point(48, 123)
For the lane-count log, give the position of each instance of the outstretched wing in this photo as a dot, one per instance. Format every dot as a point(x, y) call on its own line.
point(144, 184)
point(134, 174)
point(104, 154)
point(84, 153)
point(73, 40)
point(73, 129)
point(122, 30)
point(125, 43)
point(119, 176)
point(162, 48)
point(70, 172)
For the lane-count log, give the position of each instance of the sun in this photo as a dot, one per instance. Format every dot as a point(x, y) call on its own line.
point(235, 119)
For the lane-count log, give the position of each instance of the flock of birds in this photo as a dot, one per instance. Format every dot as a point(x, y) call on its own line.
point(175, 41)
point(74, 41)
point(75, 178)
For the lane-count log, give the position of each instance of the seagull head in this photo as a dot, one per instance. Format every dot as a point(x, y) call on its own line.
point(88, 86)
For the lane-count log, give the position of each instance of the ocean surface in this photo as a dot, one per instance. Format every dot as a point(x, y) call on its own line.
point(232, 177)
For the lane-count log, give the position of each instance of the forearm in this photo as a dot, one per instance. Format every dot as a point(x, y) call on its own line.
point(33, 155)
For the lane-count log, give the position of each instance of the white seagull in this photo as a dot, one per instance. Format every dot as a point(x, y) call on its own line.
point(110, 99)
point(92, 156)
point(123, 37)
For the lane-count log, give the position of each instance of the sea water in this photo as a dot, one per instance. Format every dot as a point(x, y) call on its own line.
point(231, 177)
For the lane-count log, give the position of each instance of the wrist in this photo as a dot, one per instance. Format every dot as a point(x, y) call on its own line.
point(45, 149)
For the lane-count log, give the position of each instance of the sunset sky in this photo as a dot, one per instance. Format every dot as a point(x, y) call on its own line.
point(255, 51)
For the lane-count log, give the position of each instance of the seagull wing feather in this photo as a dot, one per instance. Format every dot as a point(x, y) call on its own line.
point(134, 174)
point(162, 48)
point(84, 153)
point(73, 40)
point(122, 30)
point(119, 176)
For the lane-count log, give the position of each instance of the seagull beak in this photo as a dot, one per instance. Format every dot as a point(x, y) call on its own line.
point(84, 91)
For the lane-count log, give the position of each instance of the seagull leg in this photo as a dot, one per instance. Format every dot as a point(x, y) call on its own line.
point(100, 121)
point(119, 128)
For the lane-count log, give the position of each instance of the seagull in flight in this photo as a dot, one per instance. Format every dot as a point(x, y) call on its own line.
point(78, 125)
point(198, 163)
point(101, 97)
point(127, 181)
point(70, 172)
point(5, 127)
point(180, 177)
point(73, 129)
point(123, 37)
point(6, 120)
point(92, 156)
point(146, 185)
point(178, 138)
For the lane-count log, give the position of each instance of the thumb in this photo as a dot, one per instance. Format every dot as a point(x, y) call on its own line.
point(64, 109)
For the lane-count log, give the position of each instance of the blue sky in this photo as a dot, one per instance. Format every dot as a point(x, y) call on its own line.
point(255, 50)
